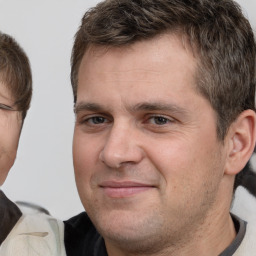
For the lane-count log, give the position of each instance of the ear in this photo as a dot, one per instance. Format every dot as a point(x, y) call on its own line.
point(240, 142)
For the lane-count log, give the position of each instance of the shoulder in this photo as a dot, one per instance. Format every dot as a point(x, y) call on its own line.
point(35, 234)
point(80, 235)
point(79, 222)
point(248, 245)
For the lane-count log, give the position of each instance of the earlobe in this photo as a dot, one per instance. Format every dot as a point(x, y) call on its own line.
point(241, 142)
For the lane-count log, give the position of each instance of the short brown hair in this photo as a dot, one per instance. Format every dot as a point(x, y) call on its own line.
point(15, 72)
point(218, 32)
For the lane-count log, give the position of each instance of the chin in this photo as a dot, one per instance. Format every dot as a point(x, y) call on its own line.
point(3, 178)
point(142, 242)
point(128, 227)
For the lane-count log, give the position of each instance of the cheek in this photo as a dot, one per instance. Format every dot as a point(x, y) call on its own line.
point(85, 157)
point(183, 164)
point(9, 139)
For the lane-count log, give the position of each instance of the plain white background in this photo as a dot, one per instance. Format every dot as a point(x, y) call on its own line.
point(43, 172)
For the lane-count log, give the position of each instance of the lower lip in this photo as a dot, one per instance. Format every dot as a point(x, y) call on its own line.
point(124, 191)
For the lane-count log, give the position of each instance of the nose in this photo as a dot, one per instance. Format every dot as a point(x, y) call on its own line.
point(121, 147)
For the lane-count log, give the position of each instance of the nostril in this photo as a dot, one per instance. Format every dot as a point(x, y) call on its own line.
point(116, 159)
point(111, 159)
point(121, 147)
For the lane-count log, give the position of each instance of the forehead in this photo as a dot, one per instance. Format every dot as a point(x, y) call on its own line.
point(156, 48)
point(143, 67)
point(5, 93)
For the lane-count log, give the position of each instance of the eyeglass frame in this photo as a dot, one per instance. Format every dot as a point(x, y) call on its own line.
point(6, 107)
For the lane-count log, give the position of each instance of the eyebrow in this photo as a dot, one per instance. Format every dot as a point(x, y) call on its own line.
point(158, 106)
point(144, 106)
point(83, 106)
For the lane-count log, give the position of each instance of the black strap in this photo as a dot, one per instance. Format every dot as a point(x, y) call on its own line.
point(9, 215)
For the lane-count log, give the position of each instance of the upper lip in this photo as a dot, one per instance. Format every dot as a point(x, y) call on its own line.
point(123, 184)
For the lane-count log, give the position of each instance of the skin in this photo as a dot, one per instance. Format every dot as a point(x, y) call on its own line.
point(150, 171)
point(10, 127)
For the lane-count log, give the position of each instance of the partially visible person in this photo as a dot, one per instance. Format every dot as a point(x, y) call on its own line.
point(164, 94)
point(244, 203)
point(34, 234)
point(247, 178)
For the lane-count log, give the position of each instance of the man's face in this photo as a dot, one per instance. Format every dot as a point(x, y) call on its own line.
point(147, 160)
point(10, 126)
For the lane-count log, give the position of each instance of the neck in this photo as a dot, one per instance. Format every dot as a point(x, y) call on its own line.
point(211, 239)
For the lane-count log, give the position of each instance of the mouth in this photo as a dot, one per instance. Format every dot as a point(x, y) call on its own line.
point(124, 189)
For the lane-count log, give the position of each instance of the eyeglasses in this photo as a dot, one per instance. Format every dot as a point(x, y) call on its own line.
point(6, 107)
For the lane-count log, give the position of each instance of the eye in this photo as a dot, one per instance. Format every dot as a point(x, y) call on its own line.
point(94, 120)
point(92, 123)
point(97, 120)
point(159, 120)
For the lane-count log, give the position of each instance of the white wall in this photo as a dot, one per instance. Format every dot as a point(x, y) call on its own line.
point(43, 172)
